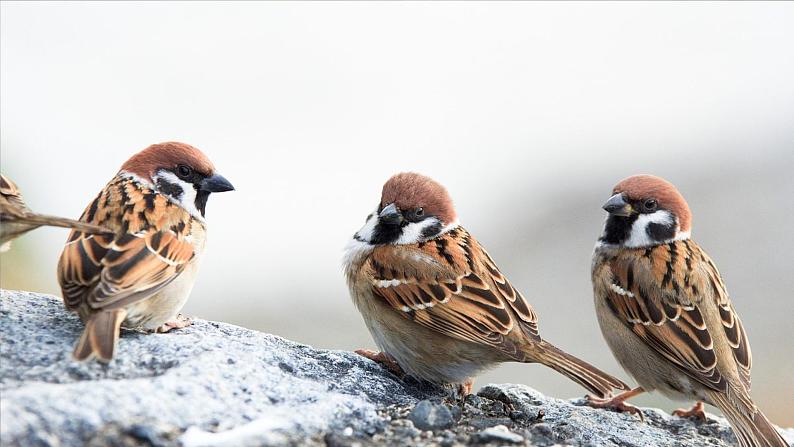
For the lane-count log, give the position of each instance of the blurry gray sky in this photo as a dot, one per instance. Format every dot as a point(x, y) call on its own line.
point(527, 112)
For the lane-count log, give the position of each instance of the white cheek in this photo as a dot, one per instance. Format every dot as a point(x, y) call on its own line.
point(412, 233)
point(639, 234)
point(359, 245)
point(366, 232)
point(188, 198)
point(354, 250)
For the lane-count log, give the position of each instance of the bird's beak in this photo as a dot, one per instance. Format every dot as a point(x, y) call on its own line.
point(216, 183)
point(616, 206)
point(390, 215)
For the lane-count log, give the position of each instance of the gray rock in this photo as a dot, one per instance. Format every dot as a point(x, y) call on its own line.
point(207, 377)
point(427, 415)
point(498, 434)
point(222, 385)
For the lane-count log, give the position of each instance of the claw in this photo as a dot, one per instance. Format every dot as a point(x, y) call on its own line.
point(179, 322)
point(697, 411)
point(617, 403)
point(464, 389)
point(382, 358)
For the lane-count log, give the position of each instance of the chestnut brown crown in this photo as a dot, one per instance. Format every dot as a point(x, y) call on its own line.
point(168, 155)
point(644, 186)
point(409, 190)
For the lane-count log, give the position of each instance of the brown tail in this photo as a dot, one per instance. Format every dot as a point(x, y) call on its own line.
point(100, 336)
point(40, 219)
point(750, 426)
point(598, 382)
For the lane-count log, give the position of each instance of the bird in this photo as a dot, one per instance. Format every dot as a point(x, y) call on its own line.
point(665, 313)
point(17, 219)
point(141, 275)
point(434, 300)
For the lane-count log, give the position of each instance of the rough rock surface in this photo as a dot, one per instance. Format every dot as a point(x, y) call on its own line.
point(219, 384)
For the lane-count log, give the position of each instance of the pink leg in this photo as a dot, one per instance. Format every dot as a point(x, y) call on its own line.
point(382, 358)
point(179, 322)
point(697, 411)
point(617, 403)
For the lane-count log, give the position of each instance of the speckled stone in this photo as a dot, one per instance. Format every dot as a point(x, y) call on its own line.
point(209, 376)
point(215, 384)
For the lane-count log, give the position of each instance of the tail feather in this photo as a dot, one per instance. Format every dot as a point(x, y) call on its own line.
point(100, 336)
point(749, 424)
point(596, 381)
point(82, 351)
point(41, 219)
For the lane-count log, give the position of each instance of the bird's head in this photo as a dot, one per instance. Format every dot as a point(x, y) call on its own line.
point(413, 208)
point(645, 210)
point(180, 172)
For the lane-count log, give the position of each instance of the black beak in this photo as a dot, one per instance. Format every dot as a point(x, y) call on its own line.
point(390, 215)
point(616, 206)
point(216, 183)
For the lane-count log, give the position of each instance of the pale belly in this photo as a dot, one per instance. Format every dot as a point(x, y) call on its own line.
point(422, 352)
point(163, 306)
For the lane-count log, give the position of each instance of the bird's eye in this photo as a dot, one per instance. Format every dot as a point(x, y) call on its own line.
point(650, 205)
point(183, 171)
point(419, 212)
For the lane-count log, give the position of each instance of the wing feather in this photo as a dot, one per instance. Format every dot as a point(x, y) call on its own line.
point(452, 286)
point(659, 295)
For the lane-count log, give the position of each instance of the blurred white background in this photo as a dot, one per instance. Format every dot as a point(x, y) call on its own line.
point(527, 112)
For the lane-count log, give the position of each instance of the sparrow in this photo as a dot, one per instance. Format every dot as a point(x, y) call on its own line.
point(17, 219)
point(141, 275)
point(665, 312)
point(436, 303)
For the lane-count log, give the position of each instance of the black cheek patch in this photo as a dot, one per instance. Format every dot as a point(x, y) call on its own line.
point(169, 189)
point(660, 232)
point(431, 231)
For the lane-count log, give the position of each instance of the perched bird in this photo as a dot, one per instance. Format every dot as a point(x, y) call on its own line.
point(435, 302)
point(141, 275)
point(17, 219)
point(664, 311)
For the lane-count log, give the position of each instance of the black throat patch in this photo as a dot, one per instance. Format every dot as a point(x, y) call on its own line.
point(386, 233)
point(201, 201)
point(618, 229)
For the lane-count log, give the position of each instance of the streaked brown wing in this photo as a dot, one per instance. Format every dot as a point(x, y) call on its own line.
point(109, 274)
point(659, 294)
point(150, 249)
point(731, 324)
point(451, 285)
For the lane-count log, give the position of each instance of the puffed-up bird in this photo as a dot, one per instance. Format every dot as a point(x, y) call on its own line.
point(665, 313)
point(141, 275)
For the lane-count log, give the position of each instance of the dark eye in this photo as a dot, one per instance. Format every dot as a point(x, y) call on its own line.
point(419, 212)
point(183, 171)
point(650, 204)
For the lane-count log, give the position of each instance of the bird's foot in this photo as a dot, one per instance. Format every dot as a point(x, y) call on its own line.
point(382, 358)
point(461, 391)
point(616, 403)
point(179, 322)
point(697, 411)
point(464, 389)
